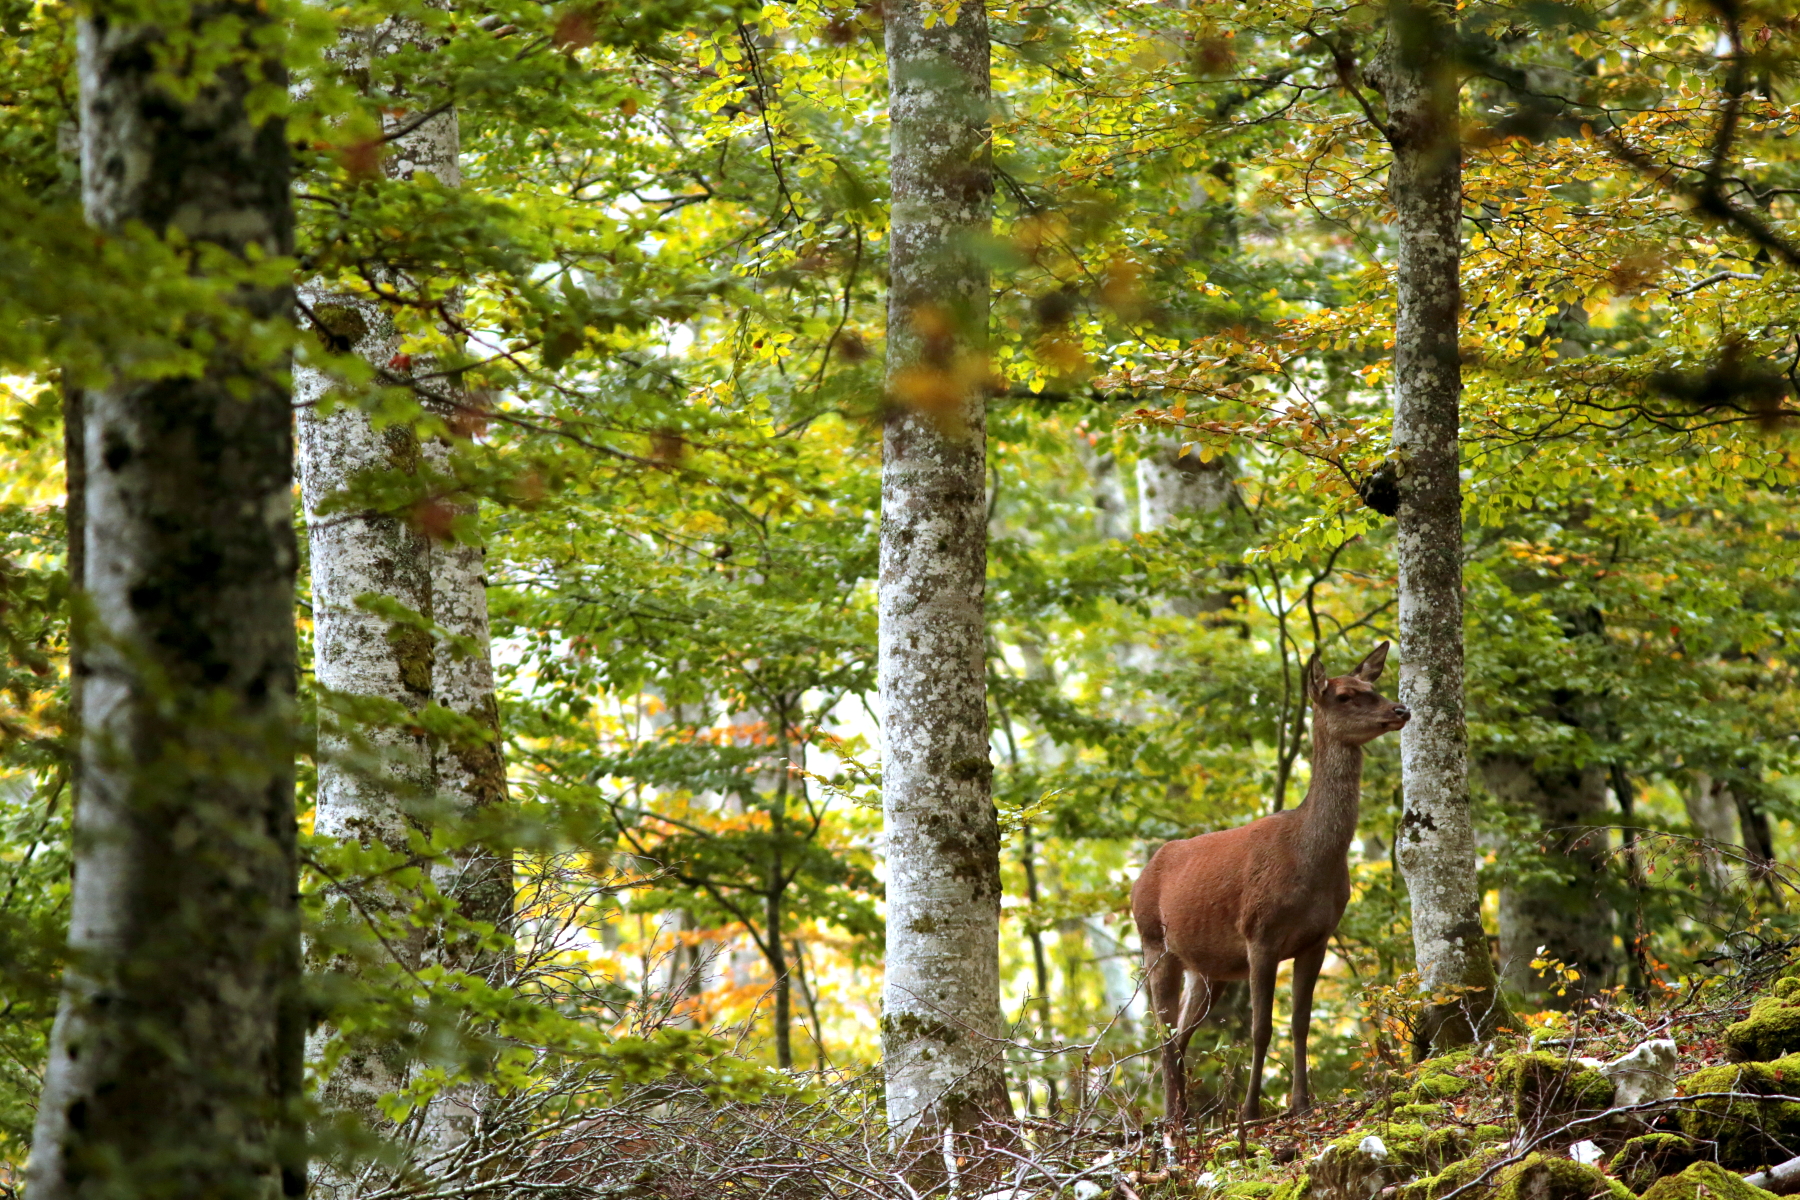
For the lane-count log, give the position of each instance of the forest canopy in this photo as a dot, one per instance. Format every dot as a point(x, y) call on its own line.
point(551, 551)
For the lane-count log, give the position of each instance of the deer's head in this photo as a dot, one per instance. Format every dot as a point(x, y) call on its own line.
point(1348, 709)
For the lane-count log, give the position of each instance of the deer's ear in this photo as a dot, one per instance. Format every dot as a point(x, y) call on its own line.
point(1369, 669)
point(1315, 676)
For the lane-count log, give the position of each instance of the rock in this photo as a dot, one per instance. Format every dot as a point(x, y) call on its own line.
point(1421, 1112)
point(1359, 1165)
point(1586, 1153)
point(1438, 1080)
point(1748, 1133)
point(1549, 1089)
point(1771, 1030)
point(1453, 1176)
point(1643, 1160)
point(1704, 1181)
point(1646, 1073)
point(1541, 1177)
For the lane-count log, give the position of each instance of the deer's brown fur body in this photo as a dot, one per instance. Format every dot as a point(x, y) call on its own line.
point(1237, 903)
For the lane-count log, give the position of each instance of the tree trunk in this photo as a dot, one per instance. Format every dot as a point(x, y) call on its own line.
point(784, 991)
point(1712, 811)
point(365, 791)
point(1560, 902)
point(1436, 838)
point(175, 1065)
point(431, 563)
point(1172, 485)
point(941, 999)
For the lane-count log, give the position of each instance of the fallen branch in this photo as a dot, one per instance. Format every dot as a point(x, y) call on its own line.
point(1783, 1180)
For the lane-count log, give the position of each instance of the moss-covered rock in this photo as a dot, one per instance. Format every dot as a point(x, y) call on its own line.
point(1541, 1177)
point(1293, 1189)
point(1254, 1189)
point(1441, 1147)
point(1642, 1161)
point(1420, 1112)
point(1360, 1164)
point(1453, 1176)
point(1704, 1181)
point(1437, 1078)
point(1771, 1030)
point(1747, 1133)
point(1547, 1086)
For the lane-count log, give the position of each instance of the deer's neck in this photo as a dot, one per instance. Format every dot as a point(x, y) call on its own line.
point(1328, 813)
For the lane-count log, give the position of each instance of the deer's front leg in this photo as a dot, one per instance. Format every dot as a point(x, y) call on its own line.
point(1306, 973)
point(1262, 1014)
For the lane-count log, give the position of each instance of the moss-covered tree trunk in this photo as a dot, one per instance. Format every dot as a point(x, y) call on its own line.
point(1436, 837)
point(941, 999)
point(175, 1066)
point(383, 579)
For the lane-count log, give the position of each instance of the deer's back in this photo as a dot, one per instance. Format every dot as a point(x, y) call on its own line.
point(1206, 898)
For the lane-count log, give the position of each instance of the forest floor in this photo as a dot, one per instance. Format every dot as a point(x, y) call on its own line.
point(1673, 1098)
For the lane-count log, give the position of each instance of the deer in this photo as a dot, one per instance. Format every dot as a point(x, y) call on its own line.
point(1237, 903)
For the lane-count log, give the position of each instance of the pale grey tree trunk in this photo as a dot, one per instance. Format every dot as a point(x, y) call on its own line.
point(1172, 485)
point(1560, 902)
point(1436, 839)
point(371, 774)
point(413, 560)
point(941, 999)
point(1713, 812)
point(174, 1066)
point(1112, 510)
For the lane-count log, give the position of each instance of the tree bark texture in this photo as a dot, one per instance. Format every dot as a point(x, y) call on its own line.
point(1562, 902)
point(1713, 812)
point(371, 793)
point(1172, 485)
point(1436, 838)
point(941, 1000)
point(175, 1064)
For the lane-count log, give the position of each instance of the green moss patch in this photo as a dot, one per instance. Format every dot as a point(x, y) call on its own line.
point(1642, 1161)
point(1747, 1133)
point(1771, 1030)
point(1547, 1087)
point(1438, 1080)
point(1420, 1112)
point(1345, 1171)
point(1453, 1176)
point(1704, 1181)
point(1541, 1177)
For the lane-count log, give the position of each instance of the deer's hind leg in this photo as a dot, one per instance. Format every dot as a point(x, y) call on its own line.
point(1164, 977)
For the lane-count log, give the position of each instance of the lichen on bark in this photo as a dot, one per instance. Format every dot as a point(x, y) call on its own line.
point(941, 997)
point(1417, 75)
point(175, 1064)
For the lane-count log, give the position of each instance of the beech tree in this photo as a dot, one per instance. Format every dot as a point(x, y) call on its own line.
point(400, 613)
point(1419, 77)
point(175, 1066)
point(941, 993)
